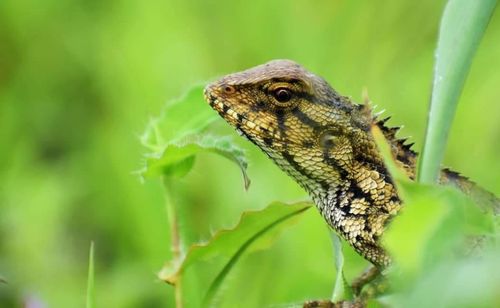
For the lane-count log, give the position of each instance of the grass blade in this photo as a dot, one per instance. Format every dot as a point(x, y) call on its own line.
point(90, 279)
point(462, 27)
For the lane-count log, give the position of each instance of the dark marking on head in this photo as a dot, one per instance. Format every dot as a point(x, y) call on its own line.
point(280, 119)
point(304, 118)
point(268, 141)
point(308, 144)
point(259, 106)
point(265, 130)
point(238, 128)
point(221, 113)
point(212, 100)
point(306, 96)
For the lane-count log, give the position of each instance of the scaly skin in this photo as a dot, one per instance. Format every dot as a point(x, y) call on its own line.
point(323, 140)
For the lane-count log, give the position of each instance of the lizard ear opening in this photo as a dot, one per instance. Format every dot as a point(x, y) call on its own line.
point(327, 139)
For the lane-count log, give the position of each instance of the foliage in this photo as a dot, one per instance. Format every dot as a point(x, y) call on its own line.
point(79, 78)
point(174, 139)
point(90, 280)
point(173, 159)
point(342, 289)
point(462, 27)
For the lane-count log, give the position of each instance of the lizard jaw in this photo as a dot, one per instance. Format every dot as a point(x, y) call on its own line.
point(244, 126)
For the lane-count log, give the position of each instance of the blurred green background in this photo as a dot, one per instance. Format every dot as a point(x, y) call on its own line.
point(80, 79)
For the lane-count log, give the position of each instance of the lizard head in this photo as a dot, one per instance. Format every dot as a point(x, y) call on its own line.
point(305, 126)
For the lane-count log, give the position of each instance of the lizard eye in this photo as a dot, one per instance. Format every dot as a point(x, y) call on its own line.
point(282, 95)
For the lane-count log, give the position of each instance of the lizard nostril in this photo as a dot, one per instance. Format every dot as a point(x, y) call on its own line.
point(229, 89)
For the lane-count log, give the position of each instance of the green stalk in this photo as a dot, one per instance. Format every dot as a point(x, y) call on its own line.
point(175, 245)
point(462, 27)
point(90, 280)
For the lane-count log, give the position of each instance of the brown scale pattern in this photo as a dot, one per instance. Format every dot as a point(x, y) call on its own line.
point(322, 140)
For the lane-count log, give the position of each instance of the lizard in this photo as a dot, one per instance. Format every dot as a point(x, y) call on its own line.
point(323, 140)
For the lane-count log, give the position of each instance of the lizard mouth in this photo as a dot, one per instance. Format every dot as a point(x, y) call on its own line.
point(242, 123)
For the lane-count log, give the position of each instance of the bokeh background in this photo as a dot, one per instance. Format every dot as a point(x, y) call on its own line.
point(80, 79)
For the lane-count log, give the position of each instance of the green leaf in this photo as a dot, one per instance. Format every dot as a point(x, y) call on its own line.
point(470, 282)
point(407, 236)
point(254, 225)
point(184, 116)
point(433, 225)
point(90, 280)
point(462, 27)
point(175, 138)
point(178, 158)
point(433, 220)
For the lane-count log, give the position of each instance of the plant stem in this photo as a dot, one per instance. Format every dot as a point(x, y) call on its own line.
point(462, 27)
point(90, 303)
point(175, 245)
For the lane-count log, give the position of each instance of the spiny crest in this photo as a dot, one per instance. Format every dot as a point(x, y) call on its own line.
point(390, 134)
point(402, 151)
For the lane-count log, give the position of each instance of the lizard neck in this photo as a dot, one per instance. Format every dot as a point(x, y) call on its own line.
point(358, 204)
